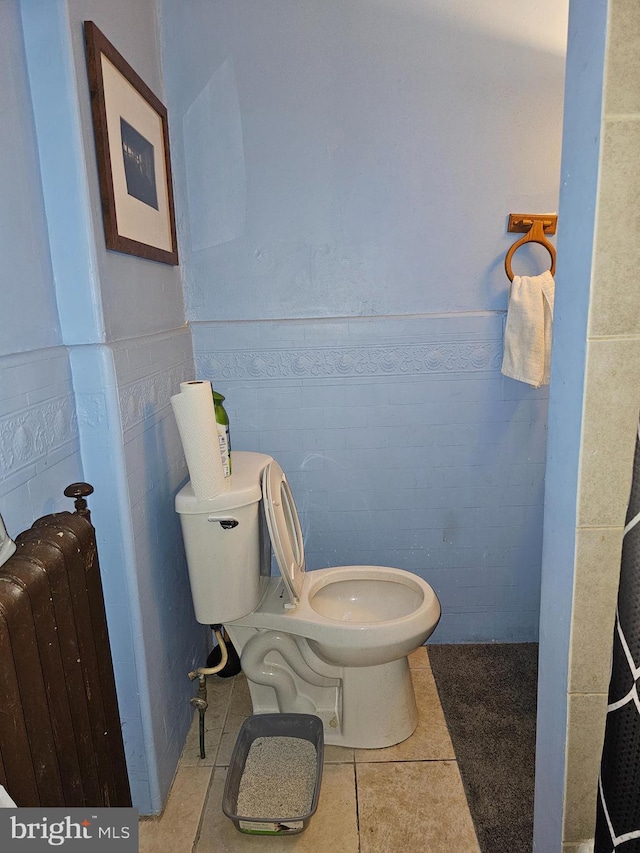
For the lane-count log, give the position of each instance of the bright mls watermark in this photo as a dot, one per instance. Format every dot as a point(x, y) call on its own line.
point(77, 829)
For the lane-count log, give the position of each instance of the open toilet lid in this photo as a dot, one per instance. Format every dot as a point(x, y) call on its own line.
point(284, 528)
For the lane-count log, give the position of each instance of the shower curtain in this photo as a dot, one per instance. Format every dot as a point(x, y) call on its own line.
point(618, 810)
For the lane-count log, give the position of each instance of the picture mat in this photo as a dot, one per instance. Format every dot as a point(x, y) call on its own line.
point(135, 219)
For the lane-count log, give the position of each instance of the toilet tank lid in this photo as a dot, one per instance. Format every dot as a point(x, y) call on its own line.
point(246, 473)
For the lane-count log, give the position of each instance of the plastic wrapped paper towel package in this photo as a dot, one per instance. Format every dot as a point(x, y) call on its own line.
point(195, 415)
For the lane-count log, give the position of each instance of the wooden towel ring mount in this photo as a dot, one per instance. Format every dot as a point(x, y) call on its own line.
point(534, 226)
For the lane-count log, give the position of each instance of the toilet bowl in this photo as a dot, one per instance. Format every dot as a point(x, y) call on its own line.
point(333, 642)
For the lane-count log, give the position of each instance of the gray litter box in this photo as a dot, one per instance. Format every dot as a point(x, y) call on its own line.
point(306, 727)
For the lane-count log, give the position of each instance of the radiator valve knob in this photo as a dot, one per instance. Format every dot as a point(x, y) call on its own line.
point(79, 491)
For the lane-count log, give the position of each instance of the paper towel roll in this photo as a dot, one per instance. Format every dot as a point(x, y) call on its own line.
point(196, 419)
point(195, 386)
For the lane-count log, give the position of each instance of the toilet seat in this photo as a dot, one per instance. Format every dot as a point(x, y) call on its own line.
point(310, 600)
point(284, 529)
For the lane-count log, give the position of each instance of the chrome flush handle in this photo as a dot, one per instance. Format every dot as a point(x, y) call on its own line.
point(225, 521)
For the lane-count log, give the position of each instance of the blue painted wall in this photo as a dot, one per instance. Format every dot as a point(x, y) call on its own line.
point(343, 178)
point(149, 353)
point(580, 171)
point(39, 449)
point(404, 447)
point(344, 174)
point(94, 345)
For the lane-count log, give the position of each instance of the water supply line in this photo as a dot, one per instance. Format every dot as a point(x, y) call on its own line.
point(200, 701)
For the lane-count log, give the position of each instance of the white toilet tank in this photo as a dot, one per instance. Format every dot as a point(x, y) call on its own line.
point(224, 543)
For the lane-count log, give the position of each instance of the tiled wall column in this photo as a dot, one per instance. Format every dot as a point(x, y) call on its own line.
point(122, 320)
point(149, 370)
point(611, 404)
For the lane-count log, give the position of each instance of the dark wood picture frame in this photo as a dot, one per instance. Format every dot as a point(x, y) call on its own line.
point(134, 171)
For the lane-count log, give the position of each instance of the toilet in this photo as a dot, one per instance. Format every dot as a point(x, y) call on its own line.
point(331, 642)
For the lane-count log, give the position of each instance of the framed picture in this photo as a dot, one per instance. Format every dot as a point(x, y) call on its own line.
point(132, 148)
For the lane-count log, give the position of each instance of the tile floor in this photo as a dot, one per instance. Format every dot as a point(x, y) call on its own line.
point(407, 798)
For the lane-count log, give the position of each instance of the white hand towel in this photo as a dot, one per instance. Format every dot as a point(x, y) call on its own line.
point(527, 333)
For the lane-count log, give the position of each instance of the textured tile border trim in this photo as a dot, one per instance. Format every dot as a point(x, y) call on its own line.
point(321, 363)
point(30, 434)
point(142, 399)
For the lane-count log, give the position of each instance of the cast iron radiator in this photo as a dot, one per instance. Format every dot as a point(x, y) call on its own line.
point(60, 735)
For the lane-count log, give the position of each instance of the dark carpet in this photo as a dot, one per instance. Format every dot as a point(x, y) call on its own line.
point(488, 693)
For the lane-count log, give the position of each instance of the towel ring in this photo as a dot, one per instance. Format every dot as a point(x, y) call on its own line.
point(535, 234)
